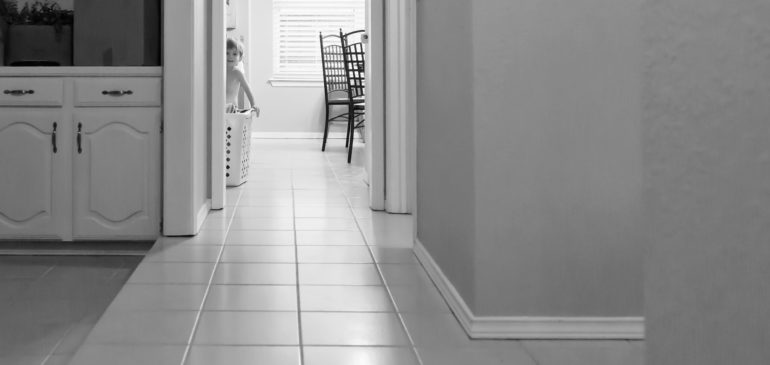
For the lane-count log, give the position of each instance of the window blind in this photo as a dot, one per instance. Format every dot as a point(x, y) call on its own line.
point(296, 24)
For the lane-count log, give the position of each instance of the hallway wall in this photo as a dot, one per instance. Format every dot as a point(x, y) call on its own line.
point(445, 145)
point(707, 181)
point(529, 154)
point(557, 157)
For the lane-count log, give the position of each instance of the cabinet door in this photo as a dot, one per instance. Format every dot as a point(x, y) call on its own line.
point(33, 173)
point(116, 173)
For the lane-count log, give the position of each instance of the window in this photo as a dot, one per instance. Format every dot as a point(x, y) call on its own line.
point(296, 24)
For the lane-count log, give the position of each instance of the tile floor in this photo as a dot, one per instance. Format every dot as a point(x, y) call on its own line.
point(297, 270)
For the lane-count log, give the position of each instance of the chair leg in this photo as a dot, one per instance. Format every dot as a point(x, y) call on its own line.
point(347, 133)
point(326, 129)
point(351, 127)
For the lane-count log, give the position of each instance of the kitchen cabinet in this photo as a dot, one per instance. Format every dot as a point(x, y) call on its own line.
point(80, 157)
point(31, 173)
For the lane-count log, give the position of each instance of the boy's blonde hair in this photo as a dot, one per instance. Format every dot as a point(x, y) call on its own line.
point(234, 44)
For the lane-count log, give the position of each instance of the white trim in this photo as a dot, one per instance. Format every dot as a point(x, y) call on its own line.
point(203, 212)
point(217, 102)
point(296, 135)
point(400, 107)
point(525, 327)
point(375, 105)
point(283, 82)
point(65, 71)
point(178, 98)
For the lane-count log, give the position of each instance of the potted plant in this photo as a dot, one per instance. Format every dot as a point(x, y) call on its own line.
point(37, 34)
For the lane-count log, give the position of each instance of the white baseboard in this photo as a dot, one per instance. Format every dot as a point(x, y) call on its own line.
point(519, 327)
point(296, 135)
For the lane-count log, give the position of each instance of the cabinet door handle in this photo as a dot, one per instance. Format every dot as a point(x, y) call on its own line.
point(80, 129)
point(53, 138)
point(18, 92)
point(117, 92)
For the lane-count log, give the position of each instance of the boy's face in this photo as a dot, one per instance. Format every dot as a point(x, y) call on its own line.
point(233, 57)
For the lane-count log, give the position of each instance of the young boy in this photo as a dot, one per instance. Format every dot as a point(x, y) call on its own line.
point(235, 78)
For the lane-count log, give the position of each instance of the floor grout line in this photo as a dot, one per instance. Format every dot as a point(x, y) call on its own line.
point(208, 285)
point(379, 272)
point(296, 273)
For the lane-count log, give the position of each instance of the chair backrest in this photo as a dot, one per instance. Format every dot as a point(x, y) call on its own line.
point(355, 62)
point(333, 64)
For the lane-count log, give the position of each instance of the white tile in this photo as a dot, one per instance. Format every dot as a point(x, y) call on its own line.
point(258, 274)
point(207, 237)
point(465, 356)
point(247, 328)
point(405, 274)
point(326, 224)
point(316, 211)
point(392, 230)
point(435, 330)
point(226, 212)
point(243, 355)
point(92, 354)
point(259, 254)
point(353, 329)
point(345, 299)
point(323, 201)
point(338, 274)
point(262, 224)
point(251, 298)
point(334, 255)
point(215, 223)
point(323, 195)
point(148, 328)
point(259, 201)
point(264, 212)
point(330, 238)
point(260, 238)
point(359, 355)
point(172, 273)
point(184, 253)
point(394, 255)
point(418, 299)
point(264, 193)
point(159, 297)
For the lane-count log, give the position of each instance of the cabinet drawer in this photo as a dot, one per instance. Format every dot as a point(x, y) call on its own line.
point(31, 91)
point(117, 92)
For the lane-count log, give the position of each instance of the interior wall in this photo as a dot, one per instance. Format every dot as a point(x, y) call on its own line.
point(707, 181)
point(529, 161)
point(445, 144)
point(557, 158)
point(282, 109)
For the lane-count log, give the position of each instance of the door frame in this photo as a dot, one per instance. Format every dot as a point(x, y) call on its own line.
point(399, 148)
point(401, 106)
point(218, 81)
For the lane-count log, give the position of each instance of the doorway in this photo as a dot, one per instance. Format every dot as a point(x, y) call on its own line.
point(293, 107)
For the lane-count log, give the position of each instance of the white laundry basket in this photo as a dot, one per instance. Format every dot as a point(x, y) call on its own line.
point(237, 143)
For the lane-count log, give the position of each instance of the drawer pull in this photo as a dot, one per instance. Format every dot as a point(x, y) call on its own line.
point(53, 138)
point(80, 130)
point(18, 92)
point(117, 92)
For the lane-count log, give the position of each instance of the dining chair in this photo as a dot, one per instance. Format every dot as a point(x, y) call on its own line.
point(354, 55)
